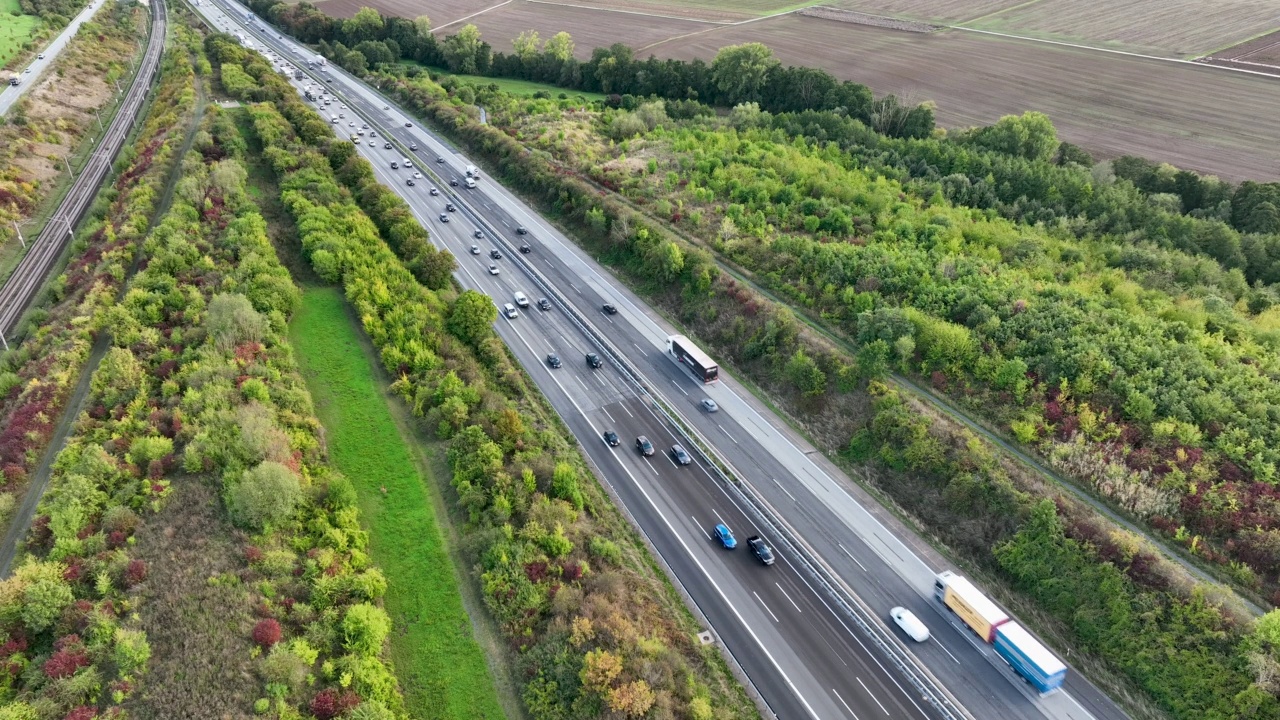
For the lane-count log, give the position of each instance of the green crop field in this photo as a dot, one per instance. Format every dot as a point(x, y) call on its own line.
point(441, 667)
point(15, 29)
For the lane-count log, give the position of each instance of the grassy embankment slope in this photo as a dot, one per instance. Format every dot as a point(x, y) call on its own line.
point(441, 667)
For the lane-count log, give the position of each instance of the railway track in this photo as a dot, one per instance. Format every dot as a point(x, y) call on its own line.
point(29, 276)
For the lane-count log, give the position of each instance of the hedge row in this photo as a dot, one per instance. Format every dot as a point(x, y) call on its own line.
point(38, 376)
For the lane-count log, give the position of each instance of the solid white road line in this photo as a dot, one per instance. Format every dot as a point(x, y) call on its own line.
point(873, 696)
point(845, 704)
point(783, 489)
point(945, 650)
point(726, 433)
point(788, 597)
point(765, 606)
point(673, 382)
point(851, 557)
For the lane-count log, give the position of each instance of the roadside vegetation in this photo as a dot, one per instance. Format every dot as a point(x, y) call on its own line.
point(53, 123)
point(593, 629)
point(53, 345)
point(433, 648)
point(1099, 362)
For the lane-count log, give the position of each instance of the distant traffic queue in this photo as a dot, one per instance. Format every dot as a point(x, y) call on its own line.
point(1033, 661)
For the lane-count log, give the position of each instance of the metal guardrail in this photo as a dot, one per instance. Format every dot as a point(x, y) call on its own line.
point(31, 272)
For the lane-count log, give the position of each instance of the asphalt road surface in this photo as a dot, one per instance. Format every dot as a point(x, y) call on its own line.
point(804, 658)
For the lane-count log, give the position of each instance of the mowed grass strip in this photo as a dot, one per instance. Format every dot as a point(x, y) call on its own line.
point(15, 29)
point(441, 668)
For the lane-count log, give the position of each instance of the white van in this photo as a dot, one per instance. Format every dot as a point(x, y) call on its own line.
point(509, 310)
point(470, 183)
point(333, 119)
point(521, 300)
point(910, 624)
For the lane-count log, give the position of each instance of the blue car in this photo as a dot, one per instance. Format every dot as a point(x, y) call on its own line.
point(725, 536)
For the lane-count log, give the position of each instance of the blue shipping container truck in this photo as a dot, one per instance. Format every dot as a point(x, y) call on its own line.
point(1029, 658)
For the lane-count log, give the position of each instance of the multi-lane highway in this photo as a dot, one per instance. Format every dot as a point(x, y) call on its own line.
point(802, 651)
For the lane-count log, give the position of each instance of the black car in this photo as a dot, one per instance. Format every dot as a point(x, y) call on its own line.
point(680, 455)
point(553, 360)
point(440, 160)
point(495, 254)
point(521, 231)
point(410, 182)
point(526, 249)
point(644, 446)
point(760, 549)
point(594, 360)
point(450, 207)
point(611, 437)
point(544, 304)
point(454, 183)
point(408, 124)
point(609, 309)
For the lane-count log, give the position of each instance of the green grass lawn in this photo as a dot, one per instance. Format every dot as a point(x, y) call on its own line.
point(515, 87)
point(15, 29)
point(441, 667)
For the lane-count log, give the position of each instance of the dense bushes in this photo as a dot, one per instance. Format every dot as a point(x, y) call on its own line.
point(38, 377)
point(557, 568)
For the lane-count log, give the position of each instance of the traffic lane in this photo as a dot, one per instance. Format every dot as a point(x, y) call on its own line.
point(834, 656)
point(814, 620)
point(759, 649)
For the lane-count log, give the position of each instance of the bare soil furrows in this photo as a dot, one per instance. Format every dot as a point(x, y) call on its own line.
point(1194, 117)
point(1173, 28)
point(590, 28)
point(440, 11)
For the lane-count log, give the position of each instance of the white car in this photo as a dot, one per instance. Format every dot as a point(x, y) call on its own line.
point(521, 300)
point(40, 56)
point(417, 176)
point(509, 311)
point(493, 270)
point(910, 624)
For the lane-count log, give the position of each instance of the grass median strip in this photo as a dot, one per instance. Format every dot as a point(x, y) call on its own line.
point(441, 667)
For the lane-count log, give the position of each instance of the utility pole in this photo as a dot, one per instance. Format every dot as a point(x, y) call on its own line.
point(3, 341)
point(67, 162)
point(19, 231)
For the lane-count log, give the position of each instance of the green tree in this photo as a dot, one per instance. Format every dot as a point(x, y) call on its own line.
point(375, 53)
point(462, 50)
point(119, 378)
point(803, 372)
point(1030, 135)
point(422, 24)
point(471, 317)
point(667, 261)
point(265, 495)
point(366, 24)
point(231, 320)
point(741, 71)
point(527, 45)
point(364, 628)
point(559, 47)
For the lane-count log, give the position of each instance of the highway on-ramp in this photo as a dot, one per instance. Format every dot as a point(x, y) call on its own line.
point(807, 661)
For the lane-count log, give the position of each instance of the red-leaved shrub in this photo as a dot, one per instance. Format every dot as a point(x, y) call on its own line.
point(267, 632)
point(328, 704)
point(82, 713)
point(65, 663)
point(135, 573)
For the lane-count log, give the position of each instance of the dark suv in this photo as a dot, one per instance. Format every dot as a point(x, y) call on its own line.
point(760, 549)
point(594, 360)
point(611, 437)
point(644, 446)
point(679, 454)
